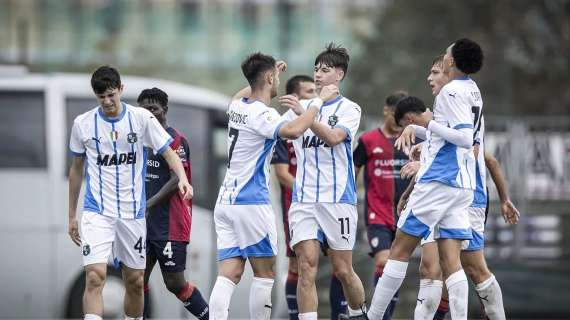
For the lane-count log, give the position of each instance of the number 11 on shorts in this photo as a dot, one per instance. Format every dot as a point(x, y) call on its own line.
point(344, 221)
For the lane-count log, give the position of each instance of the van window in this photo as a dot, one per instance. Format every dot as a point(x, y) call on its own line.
point(22, 130)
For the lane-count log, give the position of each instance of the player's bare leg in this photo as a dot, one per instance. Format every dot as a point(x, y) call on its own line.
point(486, 285)
point(454, 276)
point(394, 273)
point(307, 252)
point(260, 292)
point(229, 274)
point(431, 284)
point(341, 261)
point(380, 259)
point(150, 263)
point(134, 293)
point(95, 276)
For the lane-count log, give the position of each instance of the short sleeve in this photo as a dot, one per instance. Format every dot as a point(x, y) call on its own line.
point(359, 154)
point(349, 119)
point(280, 154)
point(154, 135)
point(76, 145)
point(267, 123)
point(455, 108)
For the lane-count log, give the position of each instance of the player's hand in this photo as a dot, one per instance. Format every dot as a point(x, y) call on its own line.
point(186, 190)
point(290, 101)
point(510, 212)
point(415, 152)
point(281, 66)
point(410, 169)
point(425, 118)
point(406, 139)
point(329, 92)
point(73, 231)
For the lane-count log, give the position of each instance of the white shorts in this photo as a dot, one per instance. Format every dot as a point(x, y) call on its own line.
point(333, 224)
point(103, 237)
point(245, 231)
point(477, 222)
point(437, 208)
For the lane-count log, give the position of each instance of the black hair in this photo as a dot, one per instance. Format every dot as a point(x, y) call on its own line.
point(254, 66)
point(334, 56)
point(408, 104)
point(154, 95)
point(394, 97)
point(468, 56)
point(438, 60)
point(292, 85)
point(104, 78)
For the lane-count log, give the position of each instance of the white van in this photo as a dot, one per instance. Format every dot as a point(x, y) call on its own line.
point(41, 274)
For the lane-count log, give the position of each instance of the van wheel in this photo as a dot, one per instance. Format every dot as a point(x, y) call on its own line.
point(113, 294)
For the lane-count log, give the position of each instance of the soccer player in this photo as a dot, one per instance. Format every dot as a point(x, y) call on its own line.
point(382, 163)
point(445, 181)
point(169, 216)
point(324, 195)
point(111, 139)
point(245, 222)
point(472, 257)
point(285, 165)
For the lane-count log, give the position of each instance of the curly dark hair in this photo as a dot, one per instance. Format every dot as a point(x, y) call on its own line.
point(406, 105)
point(154, 95)
point(468, 56)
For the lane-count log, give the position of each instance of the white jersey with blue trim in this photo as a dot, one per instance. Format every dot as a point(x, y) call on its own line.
point(326, 174)
point(116, 159)
point(253, 129)
point(480, 195)
point(458, 105)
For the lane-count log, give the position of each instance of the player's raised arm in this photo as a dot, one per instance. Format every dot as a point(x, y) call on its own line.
point(75, 180)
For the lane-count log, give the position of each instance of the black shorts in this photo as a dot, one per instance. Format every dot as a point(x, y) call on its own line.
point(380, 238)
point(171, 255)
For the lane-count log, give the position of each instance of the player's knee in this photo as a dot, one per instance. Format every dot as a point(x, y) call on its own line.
point(94, 280)
point(307, 271)
point(477, 273)
point(134, 283)
point(174, 286)
point(342, 270)
point(430, 270)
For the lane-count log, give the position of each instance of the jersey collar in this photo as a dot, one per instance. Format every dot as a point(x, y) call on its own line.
point(104, 117)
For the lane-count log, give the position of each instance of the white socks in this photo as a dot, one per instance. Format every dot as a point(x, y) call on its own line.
point(260, 298)
point(490, 294)
point(133, 318)
point(388, 284)
point(428, 299)
point(458, 294)
point(356, 312)
point(308, 316)
point(91, 316)
point(220, 298)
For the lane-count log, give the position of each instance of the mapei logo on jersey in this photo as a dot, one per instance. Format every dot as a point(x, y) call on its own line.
point(132, 138)
point(313, 142)
point(333, 120)
point(117, 159)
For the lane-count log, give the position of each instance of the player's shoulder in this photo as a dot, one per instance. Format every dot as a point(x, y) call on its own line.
point(370, 134)
point(86, 116)
point(349, 104)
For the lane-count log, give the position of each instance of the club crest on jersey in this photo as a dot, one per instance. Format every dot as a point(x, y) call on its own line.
point(86, 250)
point(333, 120)
point(114, 135)
point(132, 137)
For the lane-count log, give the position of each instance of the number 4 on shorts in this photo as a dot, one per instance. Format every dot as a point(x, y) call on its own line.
point(168, 250)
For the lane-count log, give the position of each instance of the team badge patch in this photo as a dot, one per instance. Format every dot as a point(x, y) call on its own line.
point(333, 120)
point(86, 250)
point(132, 137)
